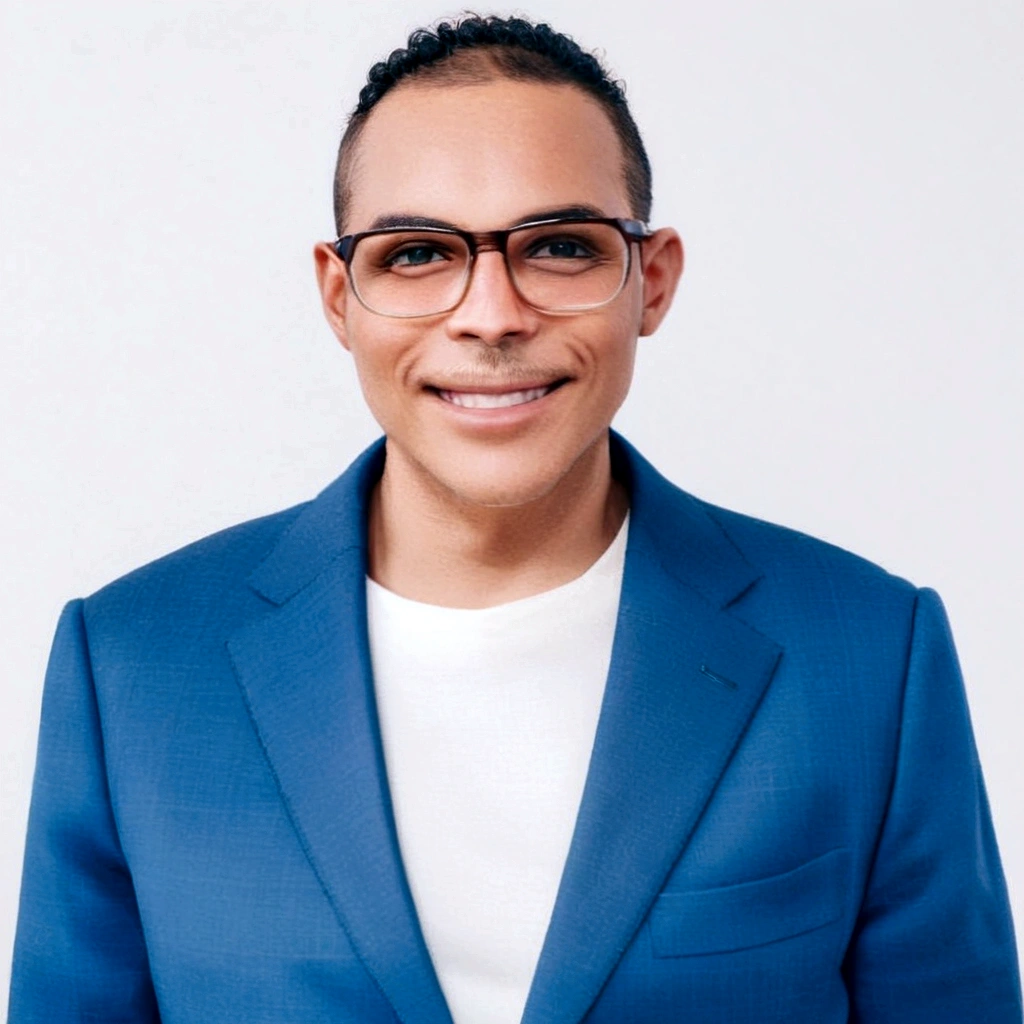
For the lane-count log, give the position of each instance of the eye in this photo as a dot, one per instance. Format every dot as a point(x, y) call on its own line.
point(560, 249)
point(418, 255)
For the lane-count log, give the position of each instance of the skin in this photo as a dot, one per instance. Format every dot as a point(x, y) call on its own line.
point(473, 509)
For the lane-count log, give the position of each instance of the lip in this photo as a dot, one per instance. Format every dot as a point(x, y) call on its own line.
point(498, 389)
point(505, 418)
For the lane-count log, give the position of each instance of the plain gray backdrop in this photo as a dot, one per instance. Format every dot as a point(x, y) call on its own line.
point(844, 355)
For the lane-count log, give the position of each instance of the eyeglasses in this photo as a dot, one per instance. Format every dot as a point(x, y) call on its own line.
point(555, 266)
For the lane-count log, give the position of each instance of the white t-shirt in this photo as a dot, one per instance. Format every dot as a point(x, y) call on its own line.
point(487, 718)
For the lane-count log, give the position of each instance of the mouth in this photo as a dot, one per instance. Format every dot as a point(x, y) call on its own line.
point(497, 399)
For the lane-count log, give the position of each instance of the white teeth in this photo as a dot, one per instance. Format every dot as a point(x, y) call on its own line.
point(469, 400)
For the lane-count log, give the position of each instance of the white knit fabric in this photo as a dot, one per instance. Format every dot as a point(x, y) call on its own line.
point(488, 719)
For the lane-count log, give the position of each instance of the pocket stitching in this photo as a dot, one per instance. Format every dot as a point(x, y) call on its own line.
point(823, 907)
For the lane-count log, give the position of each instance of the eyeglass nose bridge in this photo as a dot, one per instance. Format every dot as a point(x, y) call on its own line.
point(487, 241)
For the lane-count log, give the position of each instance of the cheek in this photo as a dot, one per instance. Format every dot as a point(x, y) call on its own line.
point(621, 375)
point(384, 353)
point(611, 352)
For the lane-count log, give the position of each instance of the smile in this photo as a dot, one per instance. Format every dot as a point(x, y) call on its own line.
point(496, 400)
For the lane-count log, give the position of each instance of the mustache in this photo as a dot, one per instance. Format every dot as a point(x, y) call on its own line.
point(493, 369)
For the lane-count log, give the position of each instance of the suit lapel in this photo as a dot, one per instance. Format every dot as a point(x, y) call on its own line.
point(304, 669)
point(685, 679)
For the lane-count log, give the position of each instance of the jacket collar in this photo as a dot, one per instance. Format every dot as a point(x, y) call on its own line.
point(332, 525)
point(686, 676)
point(690, 543)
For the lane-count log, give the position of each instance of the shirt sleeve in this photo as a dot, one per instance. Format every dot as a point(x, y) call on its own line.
point(79, 952)
point(934, 941)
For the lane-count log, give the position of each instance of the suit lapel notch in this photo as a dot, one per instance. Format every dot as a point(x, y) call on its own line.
point(330, 527)
point(681, 532)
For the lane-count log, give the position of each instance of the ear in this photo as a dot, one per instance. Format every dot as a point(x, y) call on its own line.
point(661, 264)
point(332, 277)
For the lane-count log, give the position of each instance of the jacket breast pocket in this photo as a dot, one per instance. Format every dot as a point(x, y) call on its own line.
point(751, 914)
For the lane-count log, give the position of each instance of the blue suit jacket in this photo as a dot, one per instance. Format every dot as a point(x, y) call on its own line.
point(783, 821)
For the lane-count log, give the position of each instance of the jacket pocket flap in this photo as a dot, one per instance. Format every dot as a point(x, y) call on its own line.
point(752, 913)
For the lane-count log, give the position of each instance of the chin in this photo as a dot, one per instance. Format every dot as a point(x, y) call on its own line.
point(501, 479)
point(491, 490)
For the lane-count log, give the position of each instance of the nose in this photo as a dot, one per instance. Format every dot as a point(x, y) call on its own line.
point(491, 311)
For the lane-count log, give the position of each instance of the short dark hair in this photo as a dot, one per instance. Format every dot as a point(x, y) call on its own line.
point(476, 49)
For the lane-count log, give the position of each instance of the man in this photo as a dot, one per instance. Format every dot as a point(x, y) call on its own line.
point(503, 726)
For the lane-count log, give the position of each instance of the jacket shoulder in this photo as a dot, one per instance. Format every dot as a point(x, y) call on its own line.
point(772, 546)
point(206, 575)
point(790, 559)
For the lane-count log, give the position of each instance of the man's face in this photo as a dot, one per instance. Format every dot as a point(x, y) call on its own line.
point(484, 157)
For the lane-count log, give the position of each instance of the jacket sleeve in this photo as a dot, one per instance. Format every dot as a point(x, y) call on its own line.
point(934, 940)
point(79, 952)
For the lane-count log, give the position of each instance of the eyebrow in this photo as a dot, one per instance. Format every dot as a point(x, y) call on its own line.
point(580, 212)
point(408, 220)
point(412, 220)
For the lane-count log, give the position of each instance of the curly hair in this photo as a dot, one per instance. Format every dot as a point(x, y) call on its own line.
point(475, 49)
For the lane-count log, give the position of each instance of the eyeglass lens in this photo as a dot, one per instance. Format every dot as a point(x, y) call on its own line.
point(556, 267)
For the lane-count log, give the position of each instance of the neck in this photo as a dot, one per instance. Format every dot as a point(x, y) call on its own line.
point(429, 545)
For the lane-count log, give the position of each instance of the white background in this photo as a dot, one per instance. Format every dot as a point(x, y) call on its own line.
point(844, 355)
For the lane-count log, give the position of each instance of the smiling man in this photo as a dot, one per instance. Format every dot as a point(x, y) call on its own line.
point(503, 726)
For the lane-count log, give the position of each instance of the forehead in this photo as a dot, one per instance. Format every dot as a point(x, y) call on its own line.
point(483, 156)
